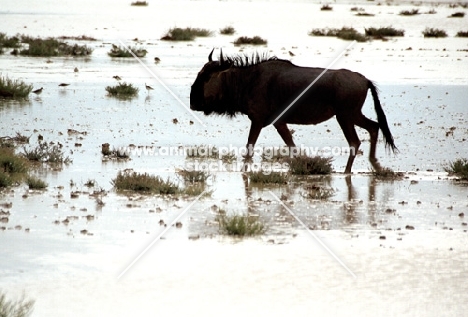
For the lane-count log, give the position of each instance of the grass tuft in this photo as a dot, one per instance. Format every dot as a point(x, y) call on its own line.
point(52, 47)
point(245, 40)
point(143, 182)
point(47, 153)
point(239, 226)
point(345, 33)
point(409, 12)
point(19, 308)
point(119, 51)
point(386, 173)
point(190, 176)
point(35, 183)
point(457, 15)
point(228, 30)
point(14, 88)
point(122, 90)
point(185, 34)
point(459, 168)
point(433, 32)
point(384, 31)
point(139, 3)
point(462, 34)
point(261, 177)
point(305, 165)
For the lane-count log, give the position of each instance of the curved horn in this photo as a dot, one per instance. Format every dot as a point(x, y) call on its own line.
point(221, 59)
point(210, 57)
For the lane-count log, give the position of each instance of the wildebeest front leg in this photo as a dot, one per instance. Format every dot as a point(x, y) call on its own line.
point(255, 129)
point(285, 133)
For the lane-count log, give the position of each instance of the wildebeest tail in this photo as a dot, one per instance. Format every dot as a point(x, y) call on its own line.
point(381, 118)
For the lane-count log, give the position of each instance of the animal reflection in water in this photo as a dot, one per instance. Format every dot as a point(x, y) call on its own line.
point(263, 88)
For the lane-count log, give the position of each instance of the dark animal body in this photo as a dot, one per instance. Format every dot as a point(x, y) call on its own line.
point(264, 88)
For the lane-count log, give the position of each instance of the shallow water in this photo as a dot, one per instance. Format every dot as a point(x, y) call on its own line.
point(423, 92)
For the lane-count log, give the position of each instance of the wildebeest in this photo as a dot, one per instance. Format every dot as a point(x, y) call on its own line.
point(264, 87)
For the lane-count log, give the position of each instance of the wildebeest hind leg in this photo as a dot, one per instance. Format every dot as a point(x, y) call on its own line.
point(285, 134)
point(373, 128)
point(351, 136)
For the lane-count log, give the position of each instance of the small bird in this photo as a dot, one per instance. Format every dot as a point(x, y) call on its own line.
point(63, 85)
point(148, 87)
point(117, 77)
point(38, 91)
point(157, 60)
point(291, 53)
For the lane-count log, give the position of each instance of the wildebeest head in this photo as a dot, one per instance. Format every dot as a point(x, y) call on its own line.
point(207, 91)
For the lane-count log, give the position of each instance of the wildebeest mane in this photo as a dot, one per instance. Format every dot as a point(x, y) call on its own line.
point(244, 60)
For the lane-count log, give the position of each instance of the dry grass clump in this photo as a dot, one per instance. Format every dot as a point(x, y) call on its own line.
point(462, 34)
point(202, 151)
point(185, 34)
point(228, 30)
point(193, 176)
point(326, 7)
point(52, 47)
point(35, 183)
point(239, 225)
point(14, 88)
point(459, 168)
point(119, 51)
point(433, 32)
point(143, 182)
point(245, 40)
point(122, 90)
point(19, 308)
point(139, 3)
point(457, 15)
point(46, 153)
point(386, 173)
point(409, 12)
point(345, 33)
point(305, 165)
point(384, 31)
point(261, 177)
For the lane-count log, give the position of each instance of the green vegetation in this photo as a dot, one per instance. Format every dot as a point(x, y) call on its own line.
point(459, 168)
point(305, 165)
point(19, 308)
point(245, 40)
point(122, 90)
point(143, 182)
point(8, 42)
point(228, 30)
point(52, 47)
point(228, 158)
point(462, 34)
point(345, 33)
point(119, 51)
point(46, 153)
point(409, 12)
point(384, 31)
point(239, 226)
point(12, 166)
point(261, 177)
point(139, 3)
point(185, 34)
point(193, 176)
point(433, 32)
point(14, 88)
point(35, 183)
point(386, 173)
